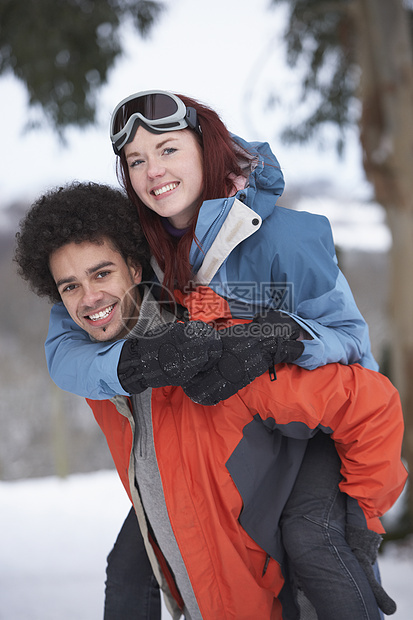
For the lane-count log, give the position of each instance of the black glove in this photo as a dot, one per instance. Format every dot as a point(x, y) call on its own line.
point(278, 335)
point(279, 324)
point(168, 355)
point(244, 358)
point(365, 545)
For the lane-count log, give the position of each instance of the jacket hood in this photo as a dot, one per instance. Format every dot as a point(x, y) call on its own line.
point(264, 184)
point(262, 168)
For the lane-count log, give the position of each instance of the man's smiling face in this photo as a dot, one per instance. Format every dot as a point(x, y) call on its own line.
point(97, 287)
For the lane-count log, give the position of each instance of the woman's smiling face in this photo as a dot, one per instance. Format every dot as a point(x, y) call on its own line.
point(166, 172)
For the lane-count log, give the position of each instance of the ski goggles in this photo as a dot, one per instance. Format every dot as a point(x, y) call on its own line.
point(158, 111)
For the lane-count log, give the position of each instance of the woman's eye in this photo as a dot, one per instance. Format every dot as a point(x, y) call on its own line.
point(135, 162)
point(169, 150)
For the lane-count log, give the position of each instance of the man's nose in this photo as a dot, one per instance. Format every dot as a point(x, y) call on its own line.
point(91, 297)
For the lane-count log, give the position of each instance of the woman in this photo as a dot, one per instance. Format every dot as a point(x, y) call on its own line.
point(206, 201)
point(275, 257)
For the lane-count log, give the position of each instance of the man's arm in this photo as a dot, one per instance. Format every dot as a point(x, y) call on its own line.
point(168, 355)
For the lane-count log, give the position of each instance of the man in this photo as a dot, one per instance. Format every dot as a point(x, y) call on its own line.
point(179, 461)
point(83, 245)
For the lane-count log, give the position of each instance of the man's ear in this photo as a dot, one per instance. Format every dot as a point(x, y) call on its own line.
point(136, 271)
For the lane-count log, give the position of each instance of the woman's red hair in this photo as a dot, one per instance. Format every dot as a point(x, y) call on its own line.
point(219, 164)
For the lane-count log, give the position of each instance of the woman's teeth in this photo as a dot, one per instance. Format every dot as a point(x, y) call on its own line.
point(102, 314)
point(165, 188)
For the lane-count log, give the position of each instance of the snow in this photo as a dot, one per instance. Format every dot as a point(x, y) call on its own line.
point(56, 534)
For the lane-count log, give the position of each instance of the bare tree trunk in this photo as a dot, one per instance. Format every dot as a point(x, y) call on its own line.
point(386, 131)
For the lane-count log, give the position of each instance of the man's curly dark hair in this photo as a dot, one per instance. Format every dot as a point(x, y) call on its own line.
point(75, 213)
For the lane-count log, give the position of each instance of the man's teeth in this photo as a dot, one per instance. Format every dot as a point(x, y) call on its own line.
point(165, 188)
point(102, 314)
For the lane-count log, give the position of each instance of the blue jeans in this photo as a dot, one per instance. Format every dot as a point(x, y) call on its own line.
point(320, 562)
point(132, 592)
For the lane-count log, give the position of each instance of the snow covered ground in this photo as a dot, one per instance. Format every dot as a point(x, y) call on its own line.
point(55, 535)
point(54, 538)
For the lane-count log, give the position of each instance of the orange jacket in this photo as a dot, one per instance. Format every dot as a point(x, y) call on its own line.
point(194, 446)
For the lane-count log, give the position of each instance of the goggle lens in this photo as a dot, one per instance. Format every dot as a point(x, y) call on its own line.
point(152, 107)
point(159, 111)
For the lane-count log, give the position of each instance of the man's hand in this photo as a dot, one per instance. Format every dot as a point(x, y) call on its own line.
point(169, 355)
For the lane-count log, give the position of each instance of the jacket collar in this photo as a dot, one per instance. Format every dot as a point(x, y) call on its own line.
point(264, 185)
point(150, 315)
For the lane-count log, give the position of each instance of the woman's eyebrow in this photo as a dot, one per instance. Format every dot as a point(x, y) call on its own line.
point(136, 153)
point(161, 144)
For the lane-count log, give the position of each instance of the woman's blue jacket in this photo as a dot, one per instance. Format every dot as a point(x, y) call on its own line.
point(257, 255)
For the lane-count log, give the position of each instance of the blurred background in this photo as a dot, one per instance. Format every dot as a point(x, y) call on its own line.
point(331, 90)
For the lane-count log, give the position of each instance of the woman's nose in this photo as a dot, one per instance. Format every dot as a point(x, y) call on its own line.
point(155, 169)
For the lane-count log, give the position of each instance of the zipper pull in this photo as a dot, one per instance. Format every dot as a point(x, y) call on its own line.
point(271, 371)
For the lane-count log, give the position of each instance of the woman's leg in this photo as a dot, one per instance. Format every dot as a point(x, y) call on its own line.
point(313, 528)
point(132, 592)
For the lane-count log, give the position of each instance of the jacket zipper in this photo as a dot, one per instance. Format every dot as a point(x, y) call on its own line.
point(267, 561)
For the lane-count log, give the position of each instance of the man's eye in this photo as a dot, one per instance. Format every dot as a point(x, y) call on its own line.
point(68, 288)
point(102, 274)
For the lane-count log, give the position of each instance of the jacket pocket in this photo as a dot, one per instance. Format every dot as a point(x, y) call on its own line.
point(270, 577)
